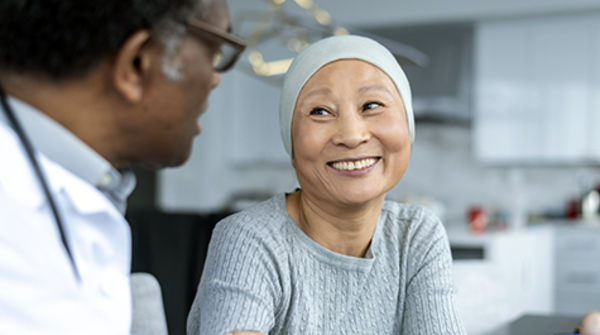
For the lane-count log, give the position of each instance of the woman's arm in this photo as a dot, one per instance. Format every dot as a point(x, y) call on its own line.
point(430, 306)
point(239, 290)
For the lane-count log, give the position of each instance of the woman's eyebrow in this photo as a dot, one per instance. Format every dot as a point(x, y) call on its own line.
point(373, 87)
point(320, 91)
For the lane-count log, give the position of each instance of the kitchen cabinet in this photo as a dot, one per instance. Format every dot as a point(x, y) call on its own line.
point(442, 89)
point(577, 270)
point(537, 84)
point(550, 268)
point(513, 275)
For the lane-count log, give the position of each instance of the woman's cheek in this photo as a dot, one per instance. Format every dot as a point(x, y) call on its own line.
point(393, 131)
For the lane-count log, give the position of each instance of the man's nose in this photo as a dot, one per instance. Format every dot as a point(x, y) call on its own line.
point(215, 80)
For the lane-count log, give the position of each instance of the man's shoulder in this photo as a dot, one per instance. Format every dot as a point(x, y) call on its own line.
point(9, 142)
point(15, 171)
point(19, 181)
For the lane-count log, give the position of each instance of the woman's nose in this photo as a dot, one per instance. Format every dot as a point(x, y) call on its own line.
point(352, 130)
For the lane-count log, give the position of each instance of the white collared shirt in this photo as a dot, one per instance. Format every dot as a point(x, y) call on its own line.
point(39, 293)
point(63, 147)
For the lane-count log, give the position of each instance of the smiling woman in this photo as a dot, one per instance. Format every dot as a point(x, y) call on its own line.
point(334, 257)
point(350, 137)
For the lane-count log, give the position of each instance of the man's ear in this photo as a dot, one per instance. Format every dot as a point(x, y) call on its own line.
point(131, 64)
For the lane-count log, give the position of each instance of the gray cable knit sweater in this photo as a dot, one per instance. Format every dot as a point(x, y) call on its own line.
point(263, 273)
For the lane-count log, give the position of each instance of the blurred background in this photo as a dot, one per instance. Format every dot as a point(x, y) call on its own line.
point(507, 151)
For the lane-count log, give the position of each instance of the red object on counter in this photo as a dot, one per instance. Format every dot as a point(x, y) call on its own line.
point(572, 211)
point(478, 220)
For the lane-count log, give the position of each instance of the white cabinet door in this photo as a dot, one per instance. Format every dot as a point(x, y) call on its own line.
point(593, 143)
point(505, 93)
point(577, 271)
point(534, 89)
point(561, 49)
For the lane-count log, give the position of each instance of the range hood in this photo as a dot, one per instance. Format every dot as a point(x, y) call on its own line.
point(442, 89)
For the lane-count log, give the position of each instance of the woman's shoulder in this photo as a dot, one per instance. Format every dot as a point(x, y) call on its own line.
point(265, 220)
point(415, 230)
point(409, 212)
point(411, 218)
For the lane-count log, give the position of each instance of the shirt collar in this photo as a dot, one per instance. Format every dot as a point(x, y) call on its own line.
point(63, 147)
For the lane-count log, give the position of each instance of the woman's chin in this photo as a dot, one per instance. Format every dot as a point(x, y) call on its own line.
point(359, 198)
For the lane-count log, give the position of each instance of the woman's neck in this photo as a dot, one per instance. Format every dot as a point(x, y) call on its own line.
point(347, 230)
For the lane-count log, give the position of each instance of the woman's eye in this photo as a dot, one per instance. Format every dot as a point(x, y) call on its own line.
point(319, 111)
point(371, 105)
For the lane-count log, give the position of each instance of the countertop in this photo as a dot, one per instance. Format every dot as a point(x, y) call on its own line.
point(539, 325)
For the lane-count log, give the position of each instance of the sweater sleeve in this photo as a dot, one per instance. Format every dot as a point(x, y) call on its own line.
point(240, 287)
point(430, 302)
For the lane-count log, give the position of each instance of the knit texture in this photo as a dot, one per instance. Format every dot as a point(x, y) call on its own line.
point(263, 273)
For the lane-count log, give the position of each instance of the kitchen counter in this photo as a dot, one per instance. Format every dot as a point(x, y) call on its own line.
point(539, 325)
point(462, 235)
point(502, 274)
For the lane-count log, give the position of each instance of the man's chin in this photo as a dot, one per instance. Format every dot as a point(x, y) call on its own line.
point(167, 162)
point(180, 159)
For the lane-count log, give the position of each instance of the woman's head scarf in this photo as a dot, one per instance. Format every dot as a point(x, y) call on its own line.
point(331, 49)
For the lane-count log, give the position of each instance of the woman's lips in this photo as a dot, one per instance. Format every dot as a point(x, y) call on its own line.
point(354, 166)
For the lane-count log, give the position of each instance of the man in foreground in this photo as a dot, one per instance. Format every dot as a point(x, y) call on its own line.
point(87, 90)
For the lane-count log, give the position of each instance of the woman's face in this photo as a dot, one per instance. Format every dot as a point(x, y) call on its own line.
point(349, 133)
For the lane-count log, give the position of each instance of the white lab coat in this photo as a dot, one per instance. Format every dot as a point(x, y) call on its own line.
point(38, 291)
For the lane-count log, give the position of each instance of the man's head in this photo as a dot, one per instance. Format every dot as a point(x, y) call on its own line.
point(136, 74)
point(61, 39)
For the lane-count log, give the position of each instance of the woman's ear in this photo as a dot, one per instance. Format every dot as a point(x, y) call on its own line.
point(132, 63)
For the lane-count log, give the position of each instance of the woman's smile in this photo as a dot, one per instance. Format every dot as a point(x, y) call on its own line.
point(354, 167)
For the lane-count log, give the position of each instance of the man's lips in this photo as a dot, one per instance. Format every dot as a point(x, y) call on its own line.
point(202, 111)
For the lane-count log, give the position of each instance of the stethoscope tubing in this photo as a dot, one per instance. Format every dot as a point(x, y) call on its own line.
point(14, 123)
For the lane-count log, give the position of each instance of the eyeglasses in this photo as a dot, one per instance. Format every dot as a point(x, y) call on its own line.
point(229, 51)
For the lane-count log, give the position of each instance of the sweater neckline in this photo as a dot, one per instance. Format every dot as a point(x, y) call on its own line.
point(329, 256)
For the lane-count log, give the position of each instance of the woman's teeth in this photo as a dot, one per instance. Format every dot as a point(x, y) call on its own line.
point(354, 165)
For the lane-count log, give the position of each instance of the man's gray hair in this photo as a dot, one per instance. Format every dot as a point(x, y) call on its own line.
point(170, 34)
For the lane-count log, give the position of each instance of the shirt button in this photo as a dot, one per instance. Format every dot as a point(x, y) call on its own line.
point(105, 181)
